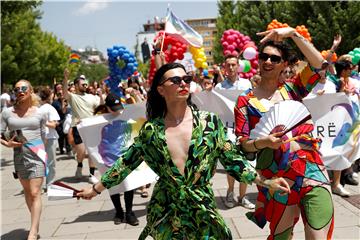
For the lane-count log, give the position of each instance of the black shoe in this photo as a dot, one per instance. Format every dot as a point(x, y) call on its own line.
point(118, 219)
point(348, 179)
point(132, 219)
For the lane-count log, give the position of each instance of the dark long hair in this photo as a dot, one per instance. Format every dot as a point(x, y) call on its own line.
point(156, 105)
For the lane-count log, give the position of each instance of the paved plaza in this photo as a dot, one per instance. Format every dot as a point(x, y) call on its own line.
point(80, 219)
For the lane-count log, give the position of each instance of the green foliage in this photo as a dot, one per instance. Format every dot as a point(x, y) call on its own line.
point(143, 68)
point(26, 51)
point(323, 19)
point(93, 72)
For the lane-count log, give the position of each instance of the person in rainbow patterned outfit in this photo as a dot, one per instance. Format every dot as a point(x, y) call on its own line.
point(293, 155)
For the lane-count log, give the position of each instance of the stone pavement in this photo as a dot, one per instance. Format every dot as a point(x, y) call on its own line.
point(80, 219)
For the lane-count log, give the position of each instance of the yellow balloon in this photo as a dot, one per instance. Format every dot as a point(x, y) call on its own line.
point(204, 65)
point(197, 65)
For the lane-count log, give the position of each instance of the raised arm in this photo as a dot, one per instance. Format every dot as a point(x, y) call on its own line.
point(65, 84)
point(307, 48)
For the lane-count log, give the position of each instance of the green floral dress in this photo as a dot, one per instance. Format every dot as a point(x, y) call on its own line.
point(183, 206)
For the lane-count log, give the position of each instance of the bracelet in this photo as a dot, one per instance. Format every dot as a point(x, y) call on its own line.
point(156, 52)
point(255, 145)
point(93, 187)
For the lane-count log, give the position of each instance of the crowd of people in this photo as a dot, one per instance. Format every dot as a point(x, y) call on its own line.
point(183, 144)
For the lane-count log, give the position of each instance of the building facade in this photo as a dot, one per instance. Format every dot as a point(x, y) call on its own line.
point(206, 27)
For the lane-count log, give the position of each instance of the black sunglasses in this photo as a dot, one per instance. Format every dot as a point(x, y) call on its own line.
point(21, 89)
point(177, 80)
point(273, 58)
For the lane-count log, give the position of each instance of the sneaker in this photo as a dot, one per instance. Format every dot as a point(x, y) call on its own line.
point(78, 173)
point(350, 180)
point(244, 202)
point(118, 219)
point(229, 200)
point(131, 219)
point(93, 179)
point(341, 191)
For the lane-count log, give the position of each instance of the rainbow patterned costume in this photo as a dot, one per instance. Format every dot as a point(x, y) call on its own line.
point(297, 161)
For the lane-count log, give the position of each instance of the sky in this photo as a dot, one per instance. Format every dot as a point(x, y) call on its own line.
point(103, 24)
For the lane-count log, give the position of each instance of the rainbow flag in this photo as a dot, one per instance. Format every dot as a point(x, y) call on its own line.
point(37, 146)
point(74, 58)
point(182, 31)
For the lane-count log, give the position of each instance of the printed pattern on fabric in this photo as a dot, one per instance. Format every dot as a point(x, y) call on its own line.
point(183, 206)
point(298, 161)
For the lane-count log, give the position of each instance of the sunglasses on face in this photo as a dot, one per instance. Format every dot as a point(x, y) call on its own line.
point(273, 58)
point(177, 80)
point(21, 89)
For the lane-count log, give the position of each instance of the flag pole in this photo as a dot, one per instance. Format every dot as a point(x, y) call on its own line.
point(166, 18)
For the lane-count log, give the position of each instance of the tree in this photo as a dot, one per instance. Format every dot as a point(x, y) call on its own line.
point(93, 72)
point(26, 51)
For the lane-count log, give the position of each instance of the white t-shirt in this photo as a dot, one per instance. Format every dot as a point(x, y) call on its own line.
point(82, 106)
point(328, 86)
point(242, 84)
point(51, 115)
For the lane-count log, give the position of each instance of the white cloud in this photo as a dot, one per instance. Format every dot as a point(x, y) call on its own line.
point(91, 7)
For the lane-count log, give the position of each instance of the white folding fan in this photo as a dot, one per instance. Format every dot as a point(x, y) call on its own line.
point(283, 116)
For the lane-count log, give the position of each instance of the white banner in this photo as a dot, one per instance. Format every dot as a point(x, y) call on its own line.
point(106, 137)
point(336, 118)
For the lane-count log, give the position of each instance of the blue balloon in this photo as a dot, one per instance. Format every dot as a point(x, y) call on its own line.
point(205, 72)
point(114, 53)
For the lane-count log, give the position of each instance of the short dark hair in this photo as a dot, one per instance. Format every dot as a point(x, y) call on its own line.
point(156, 105)
point(230, 56)
point(45, 94)
point(342, 65)
point(283, 47)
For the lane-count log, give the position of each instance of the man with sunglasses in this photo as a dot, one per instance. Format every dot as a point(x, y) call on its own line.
point(83, 105)
point(293, 155)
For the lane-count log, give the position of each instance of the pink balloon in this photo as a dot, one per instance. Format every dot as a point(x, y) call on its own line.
point(226, 32)
point(234, 53)
point(231, 48)
point(181, 56)
point(227, 52)
point(249, 53)
point(230, 39)
point(225, 44)
point(254, 63)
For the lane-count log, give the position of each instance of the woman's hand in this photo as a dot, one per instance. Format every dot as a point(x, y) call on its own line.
point(336, 42)
point(87, 193)
point(276, 35)
point(11, 143)
point(278, 184)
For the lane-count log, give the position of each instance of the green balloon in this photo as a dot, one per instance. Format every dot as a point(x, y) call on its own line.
point(247, 66)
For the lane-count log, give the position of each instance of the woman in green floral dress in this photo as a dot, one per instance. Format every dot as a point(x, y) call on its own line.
point(182, 146)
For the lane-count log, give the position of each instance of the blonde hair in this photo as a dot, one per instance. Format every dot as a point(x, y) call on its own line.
point(35, 101)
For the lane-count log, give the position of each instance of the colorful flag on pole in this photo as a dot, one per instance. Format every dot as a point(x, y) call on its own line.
point(74, 58)
point(181, 30)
